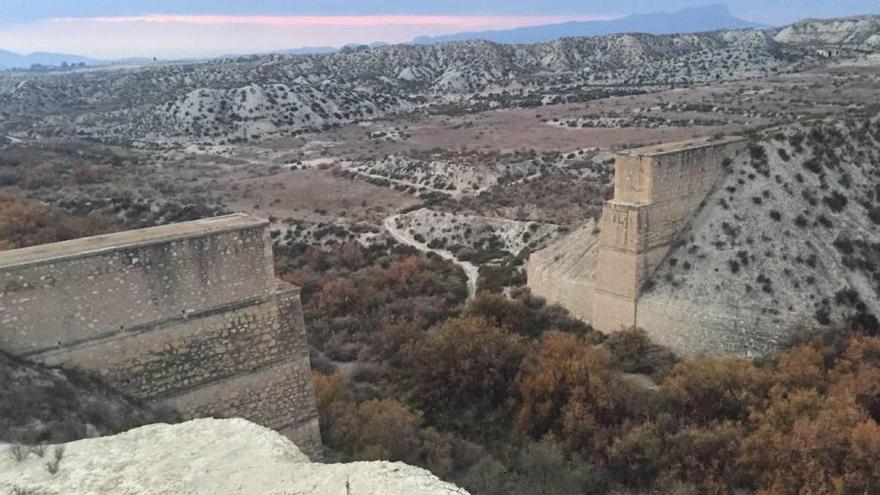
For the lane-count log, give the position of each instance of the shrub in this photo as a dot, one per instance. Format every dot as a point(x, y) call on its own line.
point(733, 265)
point(633, 352)
point(825, 221)
point(382, 429)
point(40, 176)
point(89, 174)
point(783, 155)
point(874, 214)
point(9, 178)
point(836, 201)
point(813, 165)
point(19, 452)
point(711, 389)
point(55, 463)
point(844, 245)
point(39, 449)
point(24, 222)
point(450, 374)
point(822, 316)
point(757, 153)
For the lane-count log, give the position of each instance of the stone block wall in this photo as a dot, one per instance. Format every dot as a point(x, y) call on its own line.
point(656, 191)
point(564, 273)
point(188, 314)
point(716, 329)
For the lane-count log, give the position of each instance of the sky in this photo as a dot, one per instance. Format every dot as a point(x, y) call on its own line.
point(196, 28)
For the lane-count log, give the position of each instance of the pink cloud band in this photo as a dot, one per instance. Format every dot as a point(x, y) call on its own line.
point(353, 21)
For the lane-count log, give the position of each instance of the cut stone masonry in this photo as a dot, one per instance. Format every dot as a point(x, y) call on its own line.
point(657, 189)
point(190, 315)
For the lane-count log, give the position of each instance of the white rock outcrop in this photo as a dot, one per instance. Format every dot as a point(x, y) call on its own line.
point(206, 456)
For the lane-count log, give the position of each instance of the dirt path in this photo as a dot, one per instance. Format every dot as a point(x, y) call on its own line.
point(472, 271)
point(402, 182)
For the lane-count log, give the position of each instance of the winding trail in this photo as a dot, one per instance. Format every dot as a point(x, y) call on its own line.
point(472, 271)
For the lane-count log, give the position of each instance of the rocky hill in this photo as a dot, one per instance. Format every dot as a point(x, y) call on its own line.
point(12, 60)
point(688, 20)
point(789, 236)
point(251, 96)
point(205, 456)
point(861, 32)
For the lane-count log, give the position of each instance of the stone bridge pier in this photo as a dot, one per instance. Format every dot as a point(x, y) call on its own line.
point(189, 315)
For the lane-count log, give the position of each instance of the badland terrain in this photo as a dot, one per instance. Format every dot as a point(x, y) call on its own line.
point(413, 192)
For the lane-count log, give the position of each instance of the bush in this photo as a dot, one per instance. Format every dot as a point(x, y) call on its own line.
point(24, 222)
point(874, 214)
point(524, 314)
point(90, 174)
point(382, 430)
point(19, 452)
point(633, 352)
point(783, 155)
point(844, 245)
point(55, 463)
point(813, 165)
point(462, 372)
point(706, 389)
point(41, 176)
point(9, 178)
point(836, 201)
point(734, 266)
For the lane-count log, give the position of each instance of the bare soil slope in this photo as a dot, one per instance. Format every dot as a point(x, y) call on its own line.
point(790, 235)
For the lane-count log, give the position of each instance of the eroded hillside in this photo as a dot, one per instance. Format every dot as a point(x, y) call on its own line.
point(859, 32)
point(789, 237)
point(248, 97)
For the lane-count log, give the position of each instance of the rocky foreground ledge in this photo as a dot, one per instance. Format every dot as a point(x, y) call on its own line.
point(204, 456)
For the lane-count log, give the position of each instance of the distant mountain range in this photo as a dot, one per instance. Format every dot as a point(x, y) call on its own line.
point(319, 50)
point(689, 20)
point(308, 50)
point(12, 60)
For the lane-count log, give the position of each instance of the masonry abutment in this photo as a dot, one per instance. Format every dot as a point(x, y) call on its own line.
point(657, 189)
point(188, 314)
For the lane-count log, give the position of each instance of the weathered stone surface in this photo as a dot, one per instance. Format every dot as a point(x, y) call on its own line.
point(565, 272)
point(207, 457)
point(189, 314)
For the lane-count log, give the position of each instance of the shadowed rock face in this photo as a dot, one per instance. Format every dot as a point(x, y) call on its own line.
point(210, 457)
point(42, 404)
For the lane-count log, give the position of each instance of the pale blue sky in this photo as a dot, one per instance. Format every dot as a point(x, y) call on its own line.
point(760, 10)
point(179, 28)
